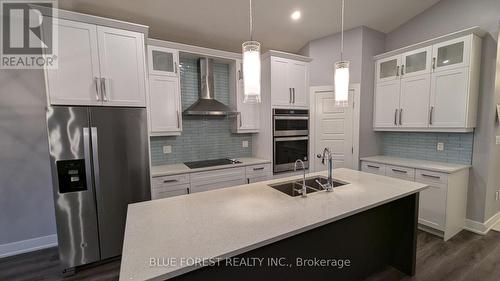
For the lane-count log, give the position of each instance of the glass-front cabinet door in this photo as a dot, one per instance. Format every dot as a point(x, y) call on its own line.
point(451, 54)
point(388, 68)
point(163, 61)
point(416, 62)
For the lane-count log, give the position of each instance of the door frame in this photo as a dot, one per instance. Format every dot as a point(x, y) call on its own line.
point(355, 87)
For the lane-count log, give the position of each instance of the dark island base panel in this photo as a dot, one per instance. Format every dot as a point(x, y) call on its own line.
point(371, 240)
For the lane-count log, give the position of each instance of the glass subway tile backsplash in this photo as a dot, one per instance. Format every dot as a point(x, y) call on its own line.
point(457, 146)
point(202, 137)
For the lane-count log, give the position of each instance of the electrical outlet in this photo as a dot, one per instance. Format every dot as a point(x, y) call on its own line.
point(497, 140)
point(244, 144)
point(167, 149)
point(440, 146)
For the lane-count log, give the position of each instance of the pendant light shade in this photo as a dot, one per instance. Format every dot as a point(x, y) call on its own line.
point(341, 80)
point(341, 72)
point(251, 71)
point(251, 66)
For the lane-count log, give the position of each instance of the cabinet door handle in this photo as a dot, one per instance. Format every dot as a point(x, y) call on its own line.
point(239, 75)
point(188, 190)
point(241, 122)
point(401, 116)
point(176, 68)
point(397, 71)
point(431, 176)
point(169, 181)
point(402, 70)
point(433, 63)
point(258, 169)
point(293, 95)
point(178, 120)
point(96, 82)
point(431, 111)
point(290, 89)
point(103, 89)
point(399, 171)
point(372, 166)
point(396, 117)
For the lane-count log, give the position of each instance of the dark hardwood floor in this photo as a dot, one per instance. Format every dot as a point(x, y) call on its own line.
point(466, 257)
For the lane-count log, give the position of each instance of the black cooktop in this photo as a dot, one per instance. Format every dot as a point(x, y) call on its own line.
point(211, 163)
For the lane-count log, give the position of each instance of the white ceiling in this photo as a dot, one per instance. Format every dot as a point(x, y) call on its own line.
point(223, 24)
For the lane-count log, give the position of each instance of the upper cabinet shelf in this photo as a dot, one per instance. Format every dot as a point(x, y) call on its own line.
point(430, 88)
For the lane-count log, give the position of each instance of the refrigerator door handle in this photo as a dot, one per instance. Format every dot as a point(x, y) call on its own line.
point(95, 162)
point(86, 154)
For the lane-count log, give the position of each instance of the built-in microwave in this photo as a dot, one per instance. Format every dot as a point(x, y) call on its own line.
point(290, 138)
point(290, 122)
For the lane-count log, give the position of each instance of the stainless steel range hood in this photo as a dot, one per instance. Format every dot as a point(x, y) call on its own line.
point(207, 104)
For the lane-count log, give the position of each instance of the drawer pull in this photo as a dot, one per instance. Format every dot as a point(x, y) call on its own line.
point(371, 166)
point(188, 190)
point(431, 176)
point(258, 169)
point(399, 171)
point(169, 181)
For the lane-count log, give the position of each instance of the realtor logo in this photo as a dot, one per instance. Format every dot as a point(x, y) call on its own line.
point(29, 34)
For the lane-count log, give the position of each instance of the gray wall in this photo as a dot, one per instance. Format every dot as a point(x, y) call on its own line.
point(26, 204)
point(360, 45)
point(449, 16)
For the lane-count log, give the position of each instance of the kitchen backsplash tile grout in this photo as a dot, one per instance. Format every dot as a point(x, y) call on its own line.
point(457, 146)
point(202, 137)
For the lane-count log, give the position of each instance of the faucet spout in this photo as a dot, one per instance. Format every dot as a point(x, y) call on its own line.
point(304, 188)
point(327, 154)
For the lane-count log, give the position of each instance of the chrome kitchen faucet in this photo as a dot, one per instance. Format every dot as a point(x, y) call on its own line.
point(304, 188)
point(327, 154)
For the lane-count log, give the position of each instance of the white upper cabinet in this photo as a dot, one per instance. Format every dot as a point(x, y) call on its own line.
point(451, 54)
point(289, 83)
point(416, 62)
point(163, 61)
point(388, 69)
point(122, 63)
point(248, 117)
point(433, 88)
point(76, 81)
point(98, 66)
point(164, 105)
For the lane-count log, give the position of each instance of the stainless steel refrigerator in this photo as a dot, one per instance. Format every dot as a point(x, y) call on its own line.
point(100, 164)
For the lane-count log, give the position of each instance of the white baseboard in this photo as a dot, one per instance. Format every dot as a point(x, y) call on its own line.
point(480, 227)
point(30, 245)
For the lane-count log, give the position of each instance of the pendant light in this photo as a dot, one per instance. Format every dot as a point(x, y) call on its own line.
point(251, 67)
point(341, 73)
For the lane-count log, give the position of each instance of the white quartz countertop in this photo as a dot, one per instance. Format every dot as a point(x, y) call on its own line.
point(418, 164)
point(180, 168)
point(226, 222)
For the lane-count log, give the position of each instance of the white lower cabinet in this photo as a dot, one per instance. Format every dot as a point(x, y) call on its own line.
point(204, 181)
point(258, 173)
point(442, 205)
point(169, 186)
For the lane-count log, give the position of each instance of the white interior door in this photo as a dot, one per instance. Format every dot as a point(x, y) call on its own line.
point(333, 128)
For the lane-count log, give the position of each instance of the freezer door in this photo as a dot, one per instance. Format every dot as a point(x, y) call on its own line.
point(74, 199)
point(121, 169)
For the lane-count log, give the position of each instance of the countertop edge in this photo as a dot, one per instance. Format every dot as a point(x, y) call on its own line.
point(196, 170)
point(389, 162)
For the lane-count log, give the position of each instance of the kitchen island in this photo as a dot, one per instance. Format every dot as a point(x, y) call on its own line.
point(255, 232)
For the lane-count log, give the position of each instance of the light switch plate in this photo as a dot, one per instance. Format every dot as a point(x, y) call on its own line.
point(497, 139)
point(244, 144)
point(167, 149)
point(440, 146)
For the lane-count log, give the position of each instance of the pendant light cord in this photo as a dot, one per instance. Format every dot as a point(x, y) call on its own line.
point(251, 22)
point(341, 34)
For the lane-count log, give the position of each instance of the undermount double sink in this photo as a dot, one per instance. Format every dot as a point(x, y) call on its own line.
point(294, 188)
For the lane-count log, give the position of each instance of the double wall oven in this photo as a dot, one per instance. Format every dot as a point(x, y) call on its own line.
point(290, 138)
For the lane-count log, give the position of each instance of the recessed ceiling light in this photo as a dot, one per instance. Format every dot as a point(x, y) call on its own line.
point(295, 15)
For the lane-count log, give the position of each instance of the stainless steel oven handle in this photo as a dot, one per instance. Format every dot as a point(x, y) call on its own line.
point(291, 139)
point(291, 118)
point(95, 160)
